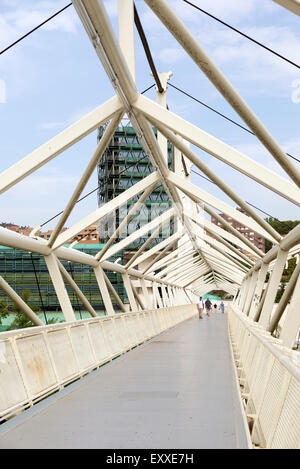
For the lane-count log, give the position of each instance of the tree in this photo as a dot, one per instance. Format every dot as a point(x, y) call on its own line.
point(4, 311)
point(22, 321)
point(283, 228)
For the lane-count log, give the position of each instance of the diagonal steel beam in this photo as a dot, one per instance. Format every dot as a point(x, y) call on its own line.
point(219, 149)
point(59, 143)
point(199, 56)
point(101, 147)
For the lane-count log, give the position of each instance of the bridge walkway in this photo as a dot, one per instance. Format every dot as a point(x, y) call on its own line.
point(176, 391)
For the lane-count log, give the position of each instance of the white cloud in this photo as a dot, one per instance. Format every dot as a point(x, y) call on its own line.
point(71, 119)
point(46, 182)
point(260, 154)
point(248, 64)
point(171, 55)
point(16, 21)
point(292, 146)
point(51, 125)
point(7, 32)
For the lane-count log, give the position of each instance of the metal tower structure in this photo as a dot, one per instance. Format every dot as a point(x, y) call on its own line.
point(123, 164)
point(163, 292)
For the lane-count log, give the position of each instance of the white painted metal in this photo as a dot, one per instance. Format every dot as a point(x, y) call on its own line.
point(272, 288)
point(99, 274)
point(126, 33)
point(77, 290)
point(292, 5)
point(269, 377)
point(199, 195)
point(291, 324)
point(59, 286)
point(219, 149)
point(200, 262)
point(136, 207)
point(129, 290)
point(189, 43)
point(85, 177)
point(106, 209)
point(60, 143)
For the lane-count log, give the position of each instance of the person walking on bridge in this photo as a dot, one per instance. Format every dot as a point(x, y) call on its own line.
point(208, 306)
point(200, 307)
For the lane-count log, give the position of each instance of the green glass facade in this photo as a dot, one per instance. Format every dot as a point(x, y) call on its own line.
point(25, 271)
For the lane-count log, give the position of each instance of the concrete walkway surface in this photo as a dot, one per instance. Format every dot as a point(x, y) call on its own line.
point(176, 391)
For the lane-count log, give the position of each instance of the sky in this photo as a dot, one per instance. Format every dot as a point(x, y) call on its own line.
point(54, 77)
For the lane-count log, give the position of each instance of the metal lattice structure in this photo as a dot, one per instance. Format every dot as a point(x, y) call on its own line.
point(198, 256)
point(123, 164)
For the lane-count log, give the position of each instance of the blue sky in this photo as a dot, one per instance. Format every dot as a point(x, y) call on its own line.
point(53, 77)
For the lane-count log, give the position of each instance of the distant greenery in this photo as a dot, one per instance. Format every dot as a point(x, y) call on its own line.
point(283, 228)
point(20, 321)
point(221, 293)
point(4, 312)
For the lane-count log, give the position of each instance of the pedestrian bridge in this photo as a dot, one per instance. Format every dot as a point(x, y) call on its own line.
point(154, 374)
point(153, 379)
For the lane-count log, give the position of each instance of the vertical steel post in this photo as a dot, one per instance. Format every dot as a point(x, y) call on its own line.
point(60, 289)
point(100, 277)
point(291, 323)
point(251, 289)
point(273, 287)
point(258, 289)
point(130, 294)
point(288, 292)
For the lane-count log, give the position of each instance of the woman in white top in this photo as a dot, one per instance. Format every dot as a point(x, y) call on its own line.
point(200, 307)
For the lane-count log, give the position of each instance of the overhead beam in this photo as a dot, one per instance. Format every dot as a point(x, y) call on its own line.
point(137, 234)
point(292, 5)
point(105, 209)
point(199, 195)
point(219, 182)
point(109, 131)
point(96, 22)
point(199, 56)
point(59, 143)
point(218, 149)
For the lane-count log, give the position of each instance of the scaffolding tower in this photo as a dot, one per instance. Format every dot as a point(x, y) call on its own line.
point(123, 164)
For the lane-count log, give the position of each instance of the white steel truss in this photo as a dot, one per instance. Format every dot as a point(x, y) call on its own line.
point(199, 256)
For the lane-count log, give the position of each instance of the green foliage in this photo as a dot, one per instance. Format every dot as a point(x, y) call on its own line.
point(287, 273)
point(277, 332)
point(4, 312)
point(221, 293)
point(21, 321)
point(282, 227)
point(279, 293)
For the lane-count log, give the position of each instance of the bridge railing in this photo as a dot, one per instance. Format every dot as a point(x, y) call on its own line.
point(38, 361)
point(269, 376)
